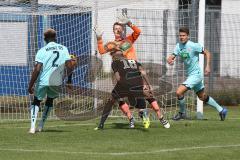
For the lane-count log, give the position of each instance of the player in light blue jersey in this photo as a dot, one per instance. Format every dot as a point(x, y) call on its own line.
point(48, 74)
point(189, 53)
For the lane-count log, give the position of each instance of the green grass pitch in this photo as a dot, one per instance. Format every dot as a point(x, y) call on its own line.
point(208, 139)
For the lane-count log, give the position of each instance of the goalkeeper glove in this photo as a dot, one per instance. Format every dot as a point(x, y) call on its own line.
point(98, 32)
point(124, 19)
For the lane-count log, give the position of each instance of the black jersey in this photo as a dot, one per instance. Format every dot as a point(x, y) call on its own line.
point(131, 81)
point(129, 71)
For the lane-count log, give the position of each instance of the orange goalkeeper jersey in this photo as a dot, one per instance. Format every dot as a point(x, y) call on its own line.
point(125, 45)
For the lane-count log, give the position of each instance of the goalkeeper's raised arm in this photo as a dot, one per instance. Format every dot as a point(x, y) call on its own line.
point(124, 20)
point(121, 42)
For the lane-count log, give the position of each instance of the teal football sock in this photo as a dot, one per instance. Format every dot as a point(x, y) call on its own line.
point(181, 102)
point(214, 104)
point(45, 113)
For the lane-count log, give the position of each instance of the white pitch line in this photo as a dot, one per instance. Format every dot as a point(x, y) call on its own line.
point(122, 153)
point(53, 126)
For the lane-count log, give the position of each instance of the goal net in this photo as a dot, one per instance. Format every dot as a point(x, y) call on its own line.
point(22, 25)
point(156, 42)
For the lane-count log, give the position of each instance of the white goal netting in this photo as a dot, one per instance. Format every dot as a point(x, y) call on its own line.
point(22, 24)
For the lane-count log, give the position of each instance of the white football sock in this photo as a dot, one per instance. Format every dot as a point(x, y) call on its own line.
point(34, 112)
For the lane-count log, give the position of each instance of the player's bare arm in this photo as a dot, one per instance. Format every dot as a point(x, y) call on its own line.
point(99, 32)
point(70, 65)
point(35, 73)
point(207, 55)
point(117, 76)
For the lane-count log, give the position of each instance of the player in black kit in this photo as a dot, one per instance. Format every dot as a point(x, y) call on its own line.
point(132, 82)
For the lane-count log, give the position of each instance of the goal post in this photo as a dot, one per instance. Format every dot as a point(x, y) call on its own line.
point(201, 33)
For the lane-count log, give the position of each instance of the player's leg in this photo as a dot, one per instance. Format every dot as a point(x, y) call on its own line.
point(143, 112)
point(210, 101)
point(140, 104)
point(156, 108)
point(190, 83)
point(39, 94)
point(52, 93)
point(119, 92)
point(148, 94)
point(34, 112)
point(46, 110)
point(126, 110)
point(181, 102)
point(106, 111)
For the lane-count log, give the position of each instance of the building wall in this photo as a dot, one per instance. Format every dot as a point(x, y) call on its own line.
point(230, 35)
point(230, 6)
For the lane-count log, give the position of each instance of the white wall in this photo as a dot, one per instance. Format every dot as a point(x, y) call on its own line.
point(14, 41)
point(230, 6)
point(230, 38)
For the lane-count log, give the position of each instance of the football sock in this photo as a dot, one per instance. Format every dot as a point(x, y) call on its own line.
point(214, 104)
point(181, 102)
point(131, 120)
point(45, 113)
point(145, 113)
point(34, 113)
point(106, 111)
point(140, 114)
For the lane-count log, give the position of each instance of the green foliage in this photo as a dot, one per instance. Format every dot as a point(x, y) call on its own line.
point(227, 96)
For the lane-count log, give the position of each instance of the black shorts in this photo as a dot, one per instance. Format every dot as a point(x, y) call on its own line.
point(136, 94)
point(139, 103)
point(126, 90)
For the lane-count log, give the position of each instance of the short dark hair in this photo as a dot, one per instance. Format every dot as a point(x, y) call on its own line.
point(119, 24)
point(50, 35)
point(184, 29)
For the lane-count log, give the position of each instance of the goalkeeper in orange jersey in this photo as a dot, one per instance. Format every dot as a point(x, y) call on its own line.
point(124, 44)
point(130, 83)
point(121, 42)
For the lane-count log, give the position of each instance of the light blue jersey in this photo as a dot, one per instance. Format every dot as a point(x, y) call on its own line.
point(189, 53)
point(53, 57)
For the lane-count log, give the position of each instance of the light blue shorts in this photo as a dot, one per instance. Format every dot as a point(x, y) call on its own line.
point(42, 91)
point(194, 82)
